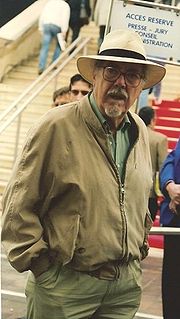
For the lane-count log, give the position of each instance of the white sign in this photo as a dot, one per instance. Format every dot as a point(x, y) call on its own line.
point(158, 28)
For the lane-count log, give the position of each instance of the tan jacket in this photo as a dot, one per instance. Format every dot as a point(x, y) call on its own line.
point(65, 202)
point(159, 149)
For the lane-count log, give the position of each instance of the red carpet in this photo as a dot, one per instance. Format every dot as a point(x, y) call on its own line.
point(168, 104)
point(173, 112)
point(171, 144)
point(168, 120)
point(168, 123)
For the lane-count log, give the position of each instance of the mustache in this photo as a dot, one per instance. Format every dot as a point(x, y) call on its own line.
point(118, 93)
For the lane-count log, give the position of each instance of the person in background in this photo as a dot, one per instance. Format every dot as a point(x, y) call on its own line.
point(156, 90)
point(170, 217)
point(159, 149)
point(75, 211)
point(143, 99)
point(80, 14)
point(100, 17)
point(54, 19)
point(78, 87)
point(61, 96)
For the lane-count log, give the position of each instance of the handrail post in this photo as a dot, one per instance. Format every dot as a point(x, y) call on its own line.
point(39, 88)
point(85, 50)
point(17, 137)
point(55, 81)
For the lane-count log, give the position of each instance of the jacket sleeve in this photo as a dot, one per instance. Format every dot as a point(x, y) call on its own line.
point(167, 172)
point(65, 23)
point(162, 151)
point(23, 202)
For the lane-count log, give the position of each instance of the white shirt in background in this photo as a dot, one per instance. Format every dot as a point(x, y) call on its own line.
point(101, 12)
point(56, 12)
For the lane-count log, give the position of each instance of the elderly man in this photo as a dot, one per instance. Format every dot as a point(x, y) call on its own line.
point(75, 212)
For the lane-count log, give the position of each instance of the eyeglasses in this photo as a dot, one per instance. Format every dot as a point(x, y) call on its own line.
point(76, 92)
point(111, 74)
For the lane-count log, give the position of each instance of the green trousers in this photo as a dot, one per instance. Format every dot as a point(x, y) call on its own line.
point(62, 293)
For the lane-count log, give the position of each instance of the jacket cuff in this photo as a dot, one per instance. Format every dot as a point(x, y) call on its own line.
point(165, 192)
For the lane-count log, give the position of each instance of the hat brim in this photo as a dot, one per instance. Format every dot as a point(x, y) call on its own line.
point(154, 74)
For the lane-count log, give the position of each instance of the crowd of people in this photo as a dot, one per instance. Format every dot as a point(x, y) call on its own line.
point(77, 210)
point(74, 91)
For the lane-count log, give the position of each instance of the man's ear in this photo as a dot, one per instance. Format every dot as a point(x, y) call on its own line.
point(94, 77)
point(153, 122)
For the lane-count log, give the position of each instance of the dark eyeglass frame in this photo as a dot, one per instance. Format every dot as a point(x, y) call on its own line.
point(76, 92)
point(138, 77)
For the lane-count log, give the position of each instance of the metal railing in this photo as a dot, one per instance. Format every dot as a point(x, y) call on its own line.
point(15, 110)
point(164, 230)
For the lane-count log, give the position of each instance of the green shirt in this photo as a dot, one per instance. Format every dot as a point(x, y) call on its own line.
point(119, 144)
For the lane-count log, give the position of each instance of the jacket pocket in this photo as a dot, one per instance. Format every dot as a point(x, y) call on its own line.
point(49, 276)
point(69, 245)
point(62, 232)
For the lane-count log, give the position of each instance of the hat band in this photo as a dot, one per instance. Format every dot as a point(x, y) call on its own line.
point(123, 53)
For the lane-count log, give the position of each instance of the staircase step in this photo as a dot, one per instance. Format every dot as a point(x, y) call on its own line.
point(16, 81)
point(6, 161)
point(3, 184)
point(5, 174)
point(169, 131)
point(168, 113)
point(168, 105)
point(167, 121)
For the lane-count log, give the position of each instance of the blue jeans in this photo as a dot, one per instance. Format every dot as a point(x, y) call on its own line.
point(49, 33)
point(143, 99)
point(157, 90)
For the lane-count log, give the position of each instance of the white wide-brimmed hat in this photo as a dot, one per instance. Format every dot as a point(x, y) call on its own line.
point(125, 46)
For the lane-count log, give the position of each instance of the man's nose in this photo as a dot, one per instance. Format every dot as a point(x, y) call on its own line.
point(79, 95)
point(121, 81)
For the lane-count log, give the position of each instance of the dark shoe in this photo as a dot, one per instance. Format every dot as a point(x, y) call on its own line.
point(40, 72)
point(72, 50)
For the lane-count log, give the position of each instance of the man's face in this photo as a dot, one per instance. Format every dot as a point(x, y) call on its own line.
point(115, 92)
point(62, 99)
point(78, 90)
